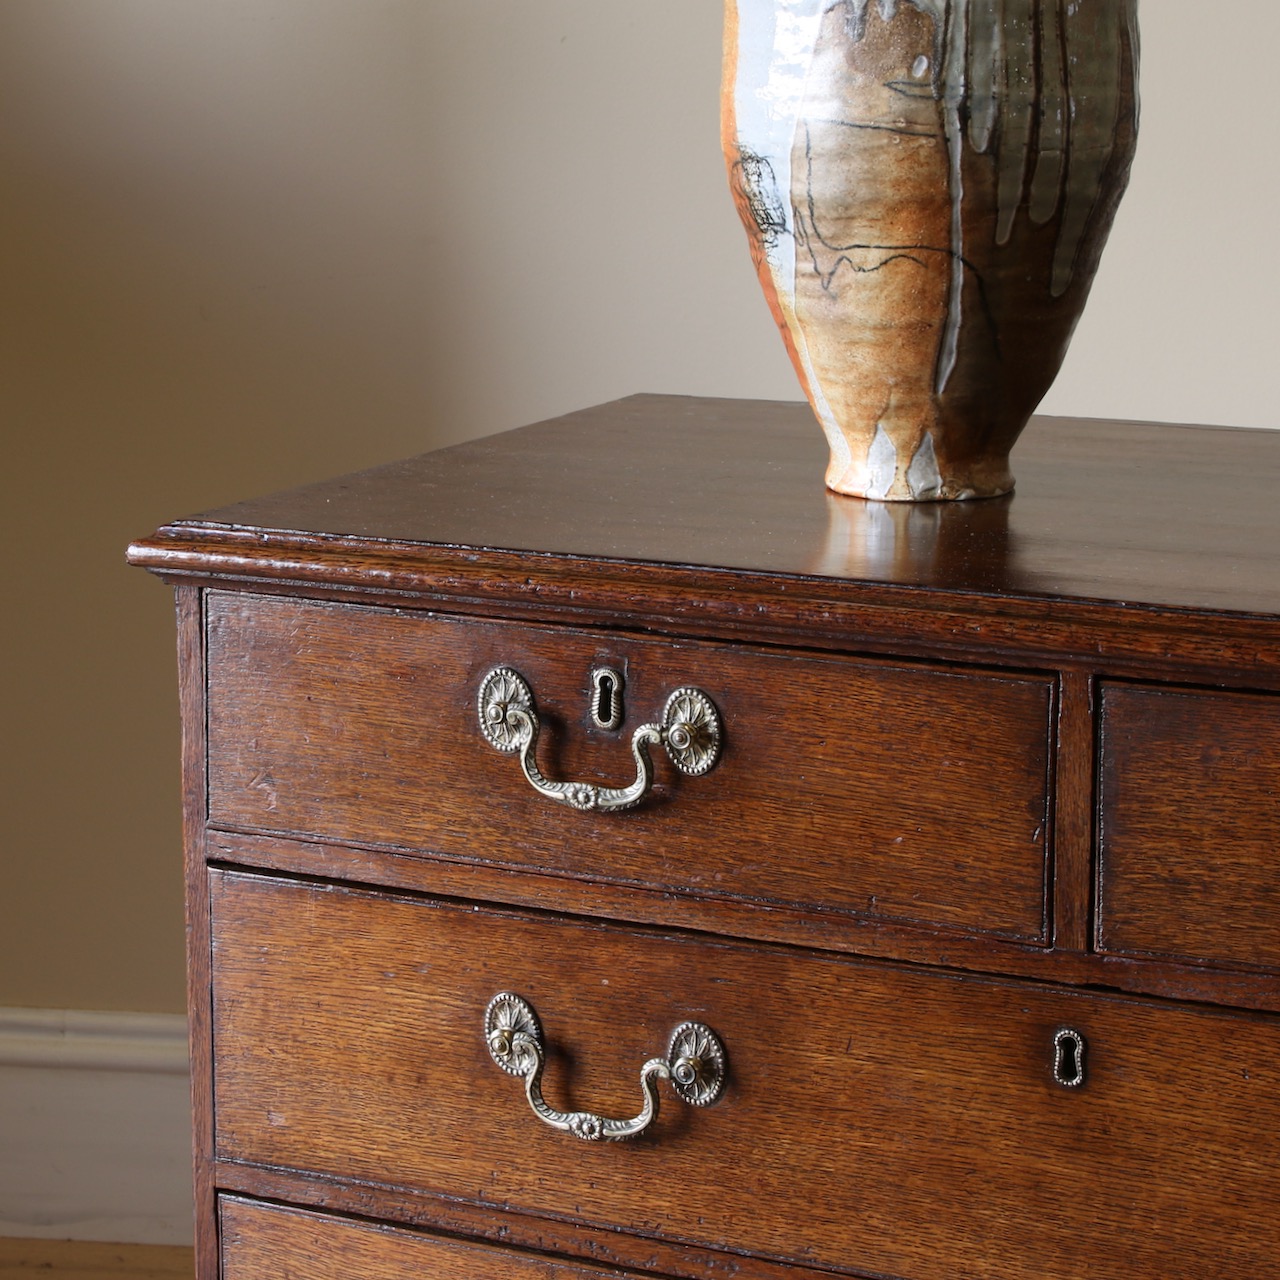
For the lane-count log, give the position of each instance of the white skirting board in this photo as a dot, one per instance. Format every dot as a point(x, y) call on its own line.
point(95, 1121)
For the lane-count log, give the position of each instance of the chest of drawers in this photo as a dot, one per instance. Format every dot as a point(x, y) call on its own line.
point(899, 886)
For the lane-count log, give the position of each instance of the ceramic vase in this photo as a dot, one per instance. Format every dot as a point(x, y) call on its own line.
point(927, 186)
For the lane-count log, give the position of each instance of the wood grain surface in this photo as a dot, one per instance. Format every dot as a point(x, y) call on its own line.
point(195, 808)
point(261, 1242)
point(84, 1260)
point(896, 1122)
point(1190, 813)
point(1104, 510)
point(987, 765)
point(704, 514)
point(886, 790)
point(468, 880)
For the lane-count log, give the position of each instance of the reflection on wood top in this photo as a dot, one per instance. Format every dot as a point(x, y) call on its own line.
point(1174, 517)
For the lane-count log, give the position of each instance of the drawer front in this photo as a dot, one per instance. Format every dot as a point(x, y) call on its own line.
point(896, 1122)
point(1190, 823)
point(905, 793)
point(264, 1242)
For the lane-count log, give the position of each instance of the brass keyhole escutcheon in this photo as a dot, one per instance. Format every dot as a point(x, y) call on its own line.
point(1068, 1058)
point(607, 711)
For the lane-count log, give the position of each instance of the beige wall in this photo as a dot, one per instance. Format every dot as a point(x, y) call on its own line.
point(250, 242)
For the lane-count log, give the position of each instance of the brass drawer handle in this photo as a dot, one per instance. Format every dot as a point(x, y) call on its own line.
point(689, 731)
point(695, 1065)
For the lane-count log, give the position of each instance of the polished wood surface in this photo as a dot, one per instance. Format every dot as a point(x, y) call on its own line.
point(881, 1095)
point(1127, 512)
point(706, 514)
point(359, 725)
point(990, 770)
point(1190, 808)
point(468, 878)
point(1107, 511)
point(195, 808)
point(264, 1242)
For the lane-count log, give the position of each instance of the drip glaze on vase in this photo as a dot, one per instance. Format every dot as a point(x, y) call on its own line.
point(927, 186)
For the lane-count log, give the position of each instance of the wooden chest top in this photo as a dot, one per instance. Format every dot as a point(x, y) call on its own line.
point(712, 513)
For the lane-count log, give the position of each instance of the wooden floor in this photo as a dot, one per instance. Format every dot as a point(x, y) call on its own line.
point(75, 1260)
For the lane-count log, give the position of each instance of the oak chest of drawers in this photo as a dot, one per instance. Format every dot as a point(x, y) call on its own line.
point(921, 864)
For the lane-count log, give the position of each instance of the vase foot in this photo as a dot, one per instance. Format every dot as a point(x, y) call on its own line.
point(883, 475)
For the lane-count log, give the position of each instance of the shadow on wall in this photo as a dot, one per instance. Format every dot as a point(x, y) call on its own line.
point(253, 243)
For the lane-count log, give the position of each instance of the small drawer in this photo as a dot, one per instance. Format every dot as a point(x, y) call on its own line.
point(1190, 825)
point(899, 792)
point(266, 1242)
point(895, 1122)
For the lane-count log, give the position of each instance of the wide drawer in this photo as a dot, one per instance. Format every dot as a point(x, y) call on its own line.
point(1190, 824)
point(266, 1242)
point(891, 791)
point(895, 1122)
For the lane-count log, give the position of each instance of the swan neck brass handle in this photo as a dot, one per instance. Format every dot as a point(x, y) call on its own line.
point(694, 1065)
point(689, 731)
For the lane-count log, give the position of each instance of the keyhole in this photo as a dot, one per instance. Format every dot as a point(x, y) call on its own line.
point(1068, 1058)
point(606, 698)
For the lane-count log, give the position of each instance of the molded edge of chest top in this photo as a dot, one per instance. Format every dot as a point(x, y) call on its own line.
point(1147, 544)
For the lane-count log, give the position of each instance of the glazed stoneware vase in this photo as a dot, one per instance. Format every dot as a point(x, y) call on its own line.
point(926, 187)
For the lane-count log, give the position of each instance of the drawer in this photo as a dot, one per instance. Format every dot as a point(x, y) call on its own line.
point(264, 1242)
point(896, 1122)
point(1190, 824)
point(900, 792)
